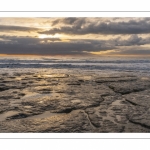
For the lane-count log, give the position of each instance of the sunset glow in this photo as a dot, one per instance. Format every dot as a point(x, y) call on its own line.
point(44, 36)
point(75, 36)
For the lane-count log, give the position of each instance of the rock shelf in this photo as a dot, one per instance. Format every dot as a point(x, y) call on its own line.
point(60, 103)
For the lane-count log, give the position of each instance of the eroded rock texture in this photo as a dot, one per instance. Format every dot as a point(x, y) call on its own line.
point(49, 102)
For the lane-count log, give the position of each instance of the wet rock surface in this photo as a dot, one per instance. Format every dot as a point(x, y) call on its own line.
point(73, 102)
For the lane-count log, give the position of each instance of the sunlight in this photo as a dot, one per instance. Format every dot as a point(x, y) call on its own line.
point(43, 36)
point(104, 52)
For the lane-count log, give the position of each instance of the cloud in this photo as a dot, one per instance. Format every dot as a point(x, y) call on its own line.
point(119, 44)
point(28, 45)
point(132, 51)
point(6, 28)
point(69, 21)
point(33, 45)
point(136, 51)
point(64, 20)
point(131, 41)
point(80, 26)
point(26, 40)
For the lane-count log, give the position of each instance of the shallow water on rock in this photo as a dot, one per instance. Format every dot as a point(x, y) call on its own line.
point(4, 115)
point(56, 75)
point(46, 114)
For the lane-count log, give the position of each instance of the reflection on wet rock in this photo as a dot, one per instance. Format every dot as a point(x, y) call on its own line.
point(87, 102)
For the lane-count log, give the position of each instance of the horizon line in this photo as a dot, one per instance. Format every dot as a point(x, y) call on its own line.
point(77, 11)
point(75, 55)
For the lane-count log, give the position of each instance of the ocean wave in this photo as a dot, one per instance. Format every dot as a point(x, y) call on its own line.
point(115, 64)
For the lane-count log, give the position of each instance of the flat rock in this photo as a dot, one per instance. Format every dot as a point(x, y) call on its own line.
point(115, 79)
point(75, 101)
point(129, 87)
point(139, 98)
point(74, 122)
point(139, 116)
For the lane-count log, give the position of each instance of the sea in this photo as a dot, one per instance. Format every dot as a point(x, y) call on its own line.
point(103, 65)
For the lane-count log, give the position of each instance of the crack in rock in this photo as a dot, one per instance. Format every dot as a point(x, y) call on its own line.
point(93, 125)
point(138, 123)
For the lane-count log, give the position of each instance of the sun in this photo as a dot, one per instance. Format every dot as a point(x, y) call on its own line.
point(43, 36)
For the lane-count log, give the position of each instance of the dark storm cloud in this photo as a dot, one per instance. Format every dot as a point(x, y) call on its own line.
point(81, 27)
point(5, 28)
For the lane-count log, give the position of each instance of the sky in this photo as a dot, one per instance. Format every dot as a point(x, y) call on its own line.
point(72, 36)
